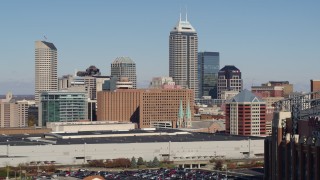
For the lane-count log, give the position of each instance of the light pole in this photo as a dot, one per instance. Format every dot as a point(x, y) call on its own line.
point(7, 148)
point(84, 153)
point(169, 149)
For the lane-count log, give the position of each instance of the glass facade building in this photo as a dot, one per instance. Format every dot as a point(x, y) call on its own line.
point(62, 106)
point(208, 68)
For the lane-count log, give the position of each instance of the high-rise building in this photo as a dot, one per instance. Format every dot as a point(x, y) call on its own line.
point(183, 55)
point(245, 115)
point(45, 68)
point(124, 67)
point(62, 106)
point(229, 79)
point(208, 68)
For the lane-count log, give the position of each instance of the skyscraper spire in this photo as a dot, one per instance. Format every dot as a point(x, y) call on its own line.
point(186, 14)
point(180, 15)
point(180, 115)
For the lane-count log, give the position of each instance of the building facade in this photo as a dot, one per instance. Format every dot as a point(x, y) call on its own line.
point(208, 68)
point(189, 149)
point(314, 87)
point(124, 67)
point(245, 115)
point(183, 56)
point(62, 106)
point(160, 107)
point(46, 78)
point(293, 150)
point(163, 83)
point(229, 79)
point(148, 108)
point(8, 112)
point(14, 113)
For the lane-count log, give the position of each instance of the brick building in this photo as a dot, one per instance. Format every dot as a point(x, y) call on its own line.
point(148, 107)
point(293, 150)
point(245, 115)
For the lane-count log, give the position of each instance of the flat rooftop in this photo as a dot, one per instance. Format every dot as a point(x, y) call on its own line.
point(111, 137)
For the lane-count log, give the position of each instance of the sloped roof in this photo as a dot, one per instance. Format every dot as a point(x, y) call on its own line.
point(50, 45)
point(125, 60)
point(183, 26)
point(245, 96)
point(229, 68)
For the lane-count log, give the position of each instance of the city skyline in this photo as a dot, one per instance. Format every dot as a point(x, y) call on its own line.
point(260, 38)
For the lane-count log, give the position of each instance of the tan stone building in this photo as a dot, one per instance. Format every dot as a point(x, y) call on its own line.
point(148, 107)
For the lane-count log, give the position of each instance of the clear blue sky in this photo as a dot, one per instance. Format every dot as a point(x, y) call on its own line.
point(266, 40)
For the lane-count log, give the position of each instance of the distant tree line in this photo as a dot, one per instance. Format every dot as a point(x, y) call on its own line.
point(125, 163)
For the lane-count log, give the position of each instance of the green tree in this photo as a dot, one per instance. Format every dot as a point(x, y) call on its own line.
point(155, 162)
point(31, 121)
point(218, 165)
point(140, 161)
point(133, 162)
point(149, 164)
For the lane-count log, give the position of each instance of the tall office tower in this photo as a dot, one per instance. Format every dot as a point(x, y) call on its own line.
point(245, 115)
point(124, 67)
point(208, 68)
point(229, 79)
point(45, 68)
point(183, 56)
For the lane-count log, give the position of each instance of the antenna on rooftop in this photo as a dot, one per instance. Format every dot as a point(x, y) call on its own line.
point(180, 14)
point(45, 38)
point(186, 14)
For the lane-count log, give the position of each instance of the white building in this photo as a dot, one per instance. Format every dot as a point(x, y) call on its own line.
point(173, 145)
point(183, 56)
point(45, 68)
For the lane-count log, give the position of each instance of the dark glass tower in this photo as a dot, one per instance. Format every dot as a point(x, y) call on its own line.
point(208, 68)
point(229, 79)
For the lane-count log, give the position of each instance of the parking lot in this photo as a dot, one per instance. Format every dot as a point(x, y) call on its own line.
point(154, 174)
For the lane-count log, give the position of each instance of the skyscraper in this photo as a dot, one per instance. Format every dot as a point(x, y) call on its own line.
point(45, 68)
point(208, 68)
point(183, 55)
point(124, 67)
point(229, 79)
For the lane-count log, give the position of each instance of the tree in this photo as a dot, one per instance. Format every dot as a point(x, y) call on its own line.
point(140, 161)
point(149, 164)
point(218, 165)
point(31, 120)
point(133, 162)
point(155, 162)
